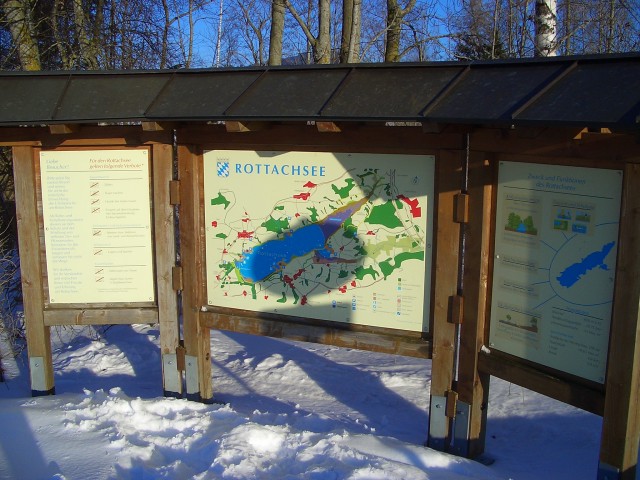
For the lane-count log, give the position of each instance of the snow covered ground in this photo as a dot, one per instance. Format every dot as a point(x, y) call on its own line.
point(287, 410)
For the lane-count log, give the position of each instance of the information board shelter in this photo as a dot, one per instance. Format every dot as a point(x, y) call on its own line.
point(481, 213)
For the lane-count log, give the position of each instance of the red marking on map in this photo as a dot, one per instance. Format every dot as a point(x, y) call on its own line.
point(310, 185)
point(354, 284)
point(289, 281)
point(266, 296)
point(225, 251)
point(343, 289)
point(245, 234)
point(298, 274)
point(414, 205)
point(244, 292)
point(303, 300)
point(246, 220)
point(214, 224)
point(302, 196)
point(297, 214)
point(370, 232)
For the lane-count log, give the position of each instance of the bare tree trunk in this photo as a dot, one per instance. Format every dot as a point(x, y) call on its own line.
point(18, 16)
point(347, 23)
point(322, 52)
point(164, 52)
point(277, 31)
point(354, 38)
point(86, 56)
point(351, 26)
point(321, 45)
point(395, 17)
point(546, 28)
point(611, 24)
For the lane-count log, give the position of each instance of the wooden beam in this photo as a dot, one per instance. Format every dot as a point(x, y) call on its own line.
point(38, 334)
point(621, 422)
point(473, 385)
point(447, 243)
point(165, 253)
point(233, 126)
point(63, 129)
point(513, 370)
point(196, 336)
point(158, 126)
point(328, 127)
point(89, 316)
point(370, 339)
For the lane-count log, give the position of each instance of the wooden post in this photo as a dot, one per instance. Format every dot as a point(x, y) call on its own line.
point(473, 386)
point(165, 251)
point(621, 422)
point(38, 335)
point(196, 336)
point(446, 289)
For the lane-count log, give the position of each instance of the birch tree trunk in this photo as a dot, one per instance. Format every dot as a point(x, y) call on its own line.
point(546, 22)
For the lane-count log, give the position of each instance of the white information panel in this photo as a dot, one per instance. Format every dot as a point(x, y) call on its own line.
point(555, 263)
point(341, 237)
point(97, 225)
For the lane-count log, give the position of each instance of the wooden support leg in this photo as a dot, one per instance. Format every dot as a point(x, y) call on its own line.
point(473, 387)
point(621, 421)
point(444, 331)
point(38, 335)
point(196, 336)
point(165, 247)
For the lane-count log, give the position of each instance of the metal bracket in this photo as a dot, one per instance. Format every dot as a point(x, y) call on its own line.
point(461, 428)
point(38, 377)
point(191, 370)
point(461, 208)
point(438, 423)
point(176, 278)
point(174, 192)
point(608, 472)
point(171, 378)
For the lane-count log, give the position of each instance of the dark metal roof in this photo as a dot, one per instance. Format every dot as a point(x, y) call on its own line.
point(585, 91)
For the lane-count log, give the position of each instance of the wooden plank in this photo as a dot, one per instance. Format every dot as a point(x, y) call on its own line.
point(473, 386)
point(92, 316)
point(233, 126)
point(621, 423)
point(38, 334)
point(447, 246)
point(357, 138)
point(373, 340)
point(84, 135)
point(196, 336)
point(165, 254)
point(328, 127)
point(513, 370)
point(63, 129)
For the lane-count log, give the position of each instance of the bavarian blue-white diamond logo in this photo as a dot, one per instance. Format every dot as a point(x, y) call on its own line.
point(223, 169)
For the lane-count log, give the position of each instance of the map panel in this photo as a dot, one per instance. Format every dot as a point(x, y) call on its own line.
point(554, 269)
point(339, 237)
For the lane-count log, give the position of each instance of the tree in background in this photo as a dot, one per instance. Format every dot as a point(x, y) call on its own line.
point(546, 21)
point(128, 34)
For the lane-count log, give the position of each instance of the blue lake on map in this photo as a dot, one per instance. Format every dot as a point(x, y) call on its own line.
point(273, 255)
